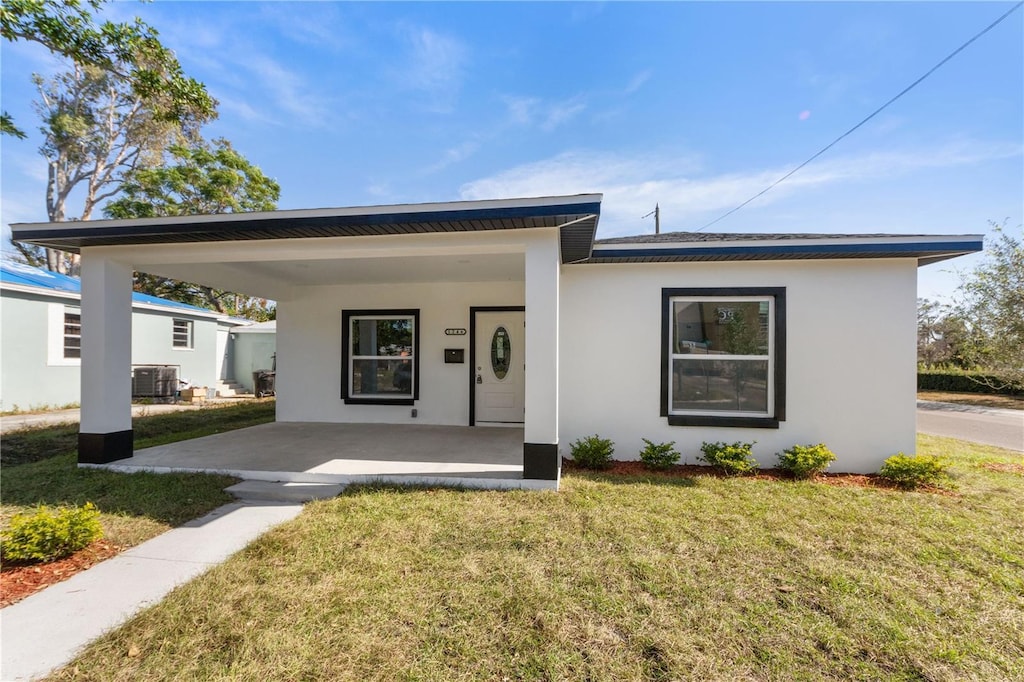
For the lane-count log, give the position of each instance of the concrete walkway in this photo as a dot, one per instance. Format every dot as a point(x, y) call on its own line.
point(47, 630)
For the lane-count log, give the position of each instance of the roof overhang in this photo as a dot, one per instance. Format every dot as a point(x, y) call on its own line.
point(925, 249)
point(575, 217)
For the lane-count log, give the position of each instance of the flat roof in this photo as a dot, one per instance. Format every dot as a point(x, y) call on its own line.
point(576, 216)
point(723, 246)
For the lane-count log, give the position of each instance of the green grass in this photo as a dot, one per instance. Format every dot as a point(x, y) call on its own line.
point(39, 466)
point(611, 579)
point(35, 444)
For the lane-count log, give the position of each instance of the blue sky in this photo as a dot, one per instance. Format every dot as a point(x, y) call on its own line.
point(696, 106)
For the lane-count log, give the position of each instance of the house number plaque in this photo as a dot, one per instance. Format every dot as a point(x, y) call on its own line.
point(455, 331)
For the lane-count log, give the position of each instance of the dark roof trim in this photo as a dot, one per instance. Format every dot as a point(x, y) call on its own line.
point(924, 251)
point(577, 216)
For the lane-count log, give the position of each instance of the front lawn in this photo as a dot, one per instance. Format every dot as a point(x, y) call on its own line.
point(40, 467)
point(611, 579)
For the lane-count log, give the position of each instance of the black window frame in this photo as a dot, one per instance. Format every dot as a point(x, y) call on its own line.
point(346, 351)
point(778, 359)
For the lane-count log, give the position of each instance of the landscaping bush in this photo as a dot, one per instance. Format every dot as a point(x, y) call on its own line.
point(659, 455)
point(48, 534)
point(806, 461)
point(593, 452)
point(909, 472)
point(731, 458)
point(961, 381)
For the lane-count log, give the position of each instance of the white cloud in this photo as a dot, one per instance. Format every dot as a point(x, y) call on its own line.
point(632, 185)
point(289, 91)
point(435, 65)
point(547, 116)
point(455, 154)
point(637, 81)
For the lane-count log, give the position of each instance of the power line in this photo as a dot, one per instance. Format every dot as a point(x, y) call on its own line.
point(871, 116)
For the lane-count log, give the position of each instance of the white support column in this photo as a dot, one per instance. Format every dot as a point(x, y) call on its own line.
point(540, 447)
point(105, 433)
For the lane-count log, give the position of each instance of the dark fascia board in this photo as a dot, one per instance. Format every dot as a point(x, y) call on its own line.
point(577, 218)
point(924, 251)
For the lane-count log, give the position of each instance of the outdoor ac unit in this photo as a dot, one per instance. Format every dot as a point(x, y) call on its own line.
point(155, 382)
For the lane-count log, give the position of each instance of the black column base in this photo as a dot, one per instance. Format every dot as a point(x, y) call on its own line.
point(101, 448)
point(541, 461)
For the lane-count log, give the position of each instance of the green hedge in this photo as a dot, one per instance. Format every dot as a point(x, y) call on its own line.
point(959, 381)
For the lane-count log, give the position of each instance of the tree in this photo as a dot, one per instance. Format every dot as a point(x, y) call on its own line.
point(990, 299)
point(200, 178)
point(943, 338)
point(131, 51)
point(96, 127)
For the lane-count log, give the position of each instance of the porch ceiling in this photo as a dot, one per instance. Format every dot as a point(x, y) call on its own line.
point(274, 279)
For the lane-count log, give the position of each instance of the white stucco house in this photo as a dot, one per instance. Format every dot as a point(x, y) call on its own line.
point(40, 339)
point(490, 313)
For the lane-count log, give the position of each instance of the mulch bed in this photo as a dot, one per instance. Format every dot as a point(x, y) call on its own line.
point(638, 469)
point(20, 581)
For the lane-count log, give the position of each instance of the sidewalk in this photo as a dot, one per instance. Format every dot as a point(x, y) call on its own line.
point(47, 630)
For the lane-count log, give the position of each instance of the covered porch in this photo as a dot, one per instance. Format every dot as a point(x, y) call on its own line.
point(376, 333)
point(304, 452)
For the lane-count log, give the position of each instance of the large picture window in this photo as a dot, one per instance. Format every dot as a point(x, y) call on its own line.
point(723, 357)
point(380, 359)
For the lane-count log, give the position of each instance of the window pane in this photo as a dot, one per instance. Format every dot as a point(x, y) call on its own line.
point(72, 335)
point(382, 337)
point(375, 377)
point(720, 385)
point(720, 327)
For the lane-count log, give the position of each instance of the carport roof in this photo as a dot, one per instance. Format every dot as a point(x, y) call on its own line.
point(576, 217)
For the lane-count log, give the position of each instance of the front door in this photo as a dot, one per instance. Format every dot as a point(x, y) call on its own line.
point(500, 367)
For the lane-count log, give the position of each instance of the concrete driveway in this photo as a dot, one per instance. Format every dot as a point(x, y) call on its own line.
point(985, 425)
point(302, 452)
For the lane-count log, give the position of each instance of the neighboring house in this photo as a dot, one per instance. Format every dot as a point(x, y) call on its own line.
point(508, 312)
point(253, 348)
point(41, 331)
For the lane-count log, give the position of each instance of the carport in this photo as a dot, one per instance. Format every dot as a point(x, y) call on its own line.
point(427, 269)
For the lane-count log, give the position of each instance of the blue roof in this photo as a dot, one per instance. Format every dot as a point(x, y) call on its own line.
point(28, 276)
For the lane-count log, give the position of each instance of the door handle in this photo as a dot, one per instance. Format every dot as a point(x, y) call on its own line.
point(479, 379)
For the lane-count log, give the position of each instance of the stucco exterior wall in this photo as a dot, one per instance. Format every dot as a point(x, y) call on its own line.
point(27, 379)
point(251, 351)
point(850, 377)
point(36, 375)
point(152, 334)
point(309, 349)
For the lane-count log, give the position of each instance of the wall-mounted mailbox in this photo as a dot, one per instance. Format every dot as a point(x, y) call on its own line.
point(454, 355)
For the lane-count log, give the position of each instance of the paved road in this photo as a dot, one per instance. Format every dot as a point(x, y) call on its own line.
point(986, 425)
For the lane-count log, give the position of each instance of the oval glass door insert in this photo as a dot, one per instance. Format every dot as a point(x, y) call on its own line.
point(501, 352)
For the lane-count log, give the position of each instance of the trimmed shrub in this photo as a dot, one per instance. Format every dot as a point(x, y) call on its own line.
point(659, 455)
point(593, 452)
point(49, 534)
point(910, 472)
point(806, 461)
point(962, 381)
point(732, 459)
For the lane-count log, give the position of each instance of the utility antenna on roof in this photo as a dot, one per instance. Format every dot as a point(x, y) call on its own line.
point(657, 218)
